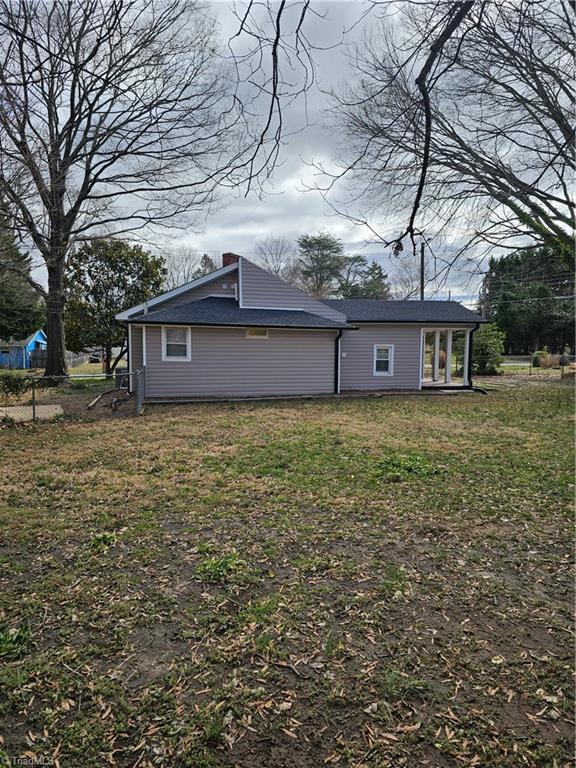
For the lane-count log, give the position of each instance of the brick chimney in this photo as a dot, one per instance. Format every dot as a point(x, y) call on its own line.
point(229, 258)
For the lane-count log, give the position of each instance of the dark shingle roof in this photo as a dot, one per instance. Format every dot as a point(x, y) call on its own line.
point(378, 311)
point(220, 311)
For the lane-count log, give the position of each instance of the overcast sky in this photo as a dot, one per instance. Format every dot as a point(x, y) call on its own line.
point(289, 209)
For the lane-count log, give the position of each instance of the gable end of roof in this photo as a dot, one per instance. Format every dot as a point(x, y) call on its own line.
point(127, 313)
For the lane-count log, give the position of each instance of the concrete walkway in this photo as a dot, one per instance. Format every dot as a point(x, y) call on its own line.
point(22, 413)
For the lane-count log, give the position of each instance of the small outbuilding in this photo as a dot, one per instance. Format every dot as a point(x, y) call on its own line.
point(19, 353)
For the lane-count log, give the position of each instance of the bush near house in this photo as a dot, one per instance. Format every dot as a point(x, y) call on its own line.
point(488, 349)
point(13, 385)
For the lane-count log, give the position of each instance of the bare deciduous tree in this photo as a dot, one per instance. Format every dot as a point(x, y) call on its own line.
point(277, 255)
point(497, 145)
point(113, 117)
point(182, 266)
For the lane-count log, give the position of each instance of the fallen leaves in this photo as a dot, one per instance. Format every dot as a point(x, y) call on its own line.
point(186, 611)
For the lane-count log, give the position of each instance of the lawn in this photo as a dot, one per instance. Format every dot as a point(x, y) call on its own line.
point(359, 583)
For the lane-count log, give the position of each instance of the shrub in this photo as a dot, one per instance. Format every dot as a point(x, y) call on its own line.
point(537, 356)
point(13, 385)
point(488, 349)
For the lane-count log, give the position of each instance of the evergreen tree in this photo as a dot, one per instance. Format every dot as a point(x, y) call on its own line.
point(322, 259)
point(206, 266)
point(363, 280)
point(102, 278)
point(487, 349)
point(21, 309)
point(529, 294)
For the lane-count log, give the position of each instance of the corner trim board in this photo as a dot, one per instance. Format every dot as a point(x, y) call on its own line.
point(129, 358)
point(337, 361)
point(240, 281)
point(421, 366)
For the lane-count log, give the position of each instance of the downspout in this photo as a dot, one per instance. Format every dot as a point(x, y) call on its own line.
point(470, 385)
point(128, 355)
point(337, 362)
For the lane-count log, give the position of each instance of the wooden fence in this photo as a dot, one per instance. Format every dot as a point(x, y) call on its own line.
point(38, 358)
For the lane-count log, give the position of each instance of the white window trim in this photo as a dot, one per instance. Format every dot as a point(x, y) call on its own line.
point(390, 372)
point(129, 352)
point(169, 359)
point(265, 335)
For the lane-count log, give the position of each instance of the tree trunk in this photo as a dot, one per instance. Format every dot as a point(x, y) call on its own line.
point(108, 360)
point(56, 347)
point(123, 350)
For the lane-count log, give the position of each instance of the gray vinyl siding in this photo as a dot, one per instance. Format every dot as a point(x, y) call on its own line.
point(261, 289)
point(221, 286)
point(226, 363)
point(136, 356)
point(357, 362)
point(213, 288)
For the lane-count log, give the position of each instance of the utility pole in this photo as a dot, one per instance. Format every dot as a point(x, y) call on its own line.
point(422, 271)
point(484, 298)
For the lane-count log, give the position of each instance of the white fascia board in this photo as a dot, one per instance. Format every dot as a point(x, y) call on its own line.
point(127, 313)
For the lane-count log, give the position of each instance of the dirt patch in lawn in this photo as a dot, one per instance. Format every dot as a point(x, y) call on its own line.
point(87, 399)
point(292, 584)
point(18, 414)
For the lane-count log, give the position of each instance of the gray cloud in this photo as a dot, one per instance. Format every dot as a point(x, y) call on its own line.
point(288, 209)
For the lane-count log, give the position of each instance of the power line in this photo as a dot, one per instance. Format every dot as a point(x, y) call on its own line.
point(541, 298)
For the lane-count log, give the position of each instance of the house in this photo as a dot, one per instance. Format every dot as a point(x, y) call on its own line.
point(241, 332)
point(19, 354)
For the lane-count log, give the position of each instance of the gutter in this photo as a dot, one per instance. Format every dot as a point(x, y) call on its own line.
point(337, 362)
point(141, 320)
point(423, 323)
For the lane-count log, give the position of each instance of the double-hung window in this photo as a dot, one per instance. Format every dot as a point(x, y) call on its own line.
point(175, 343)
point(383, 359)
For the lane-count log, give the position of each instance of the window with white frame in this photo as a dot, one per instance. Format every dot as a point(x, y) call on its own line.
point(175, 343)
point(383, 359)
point(256, 333)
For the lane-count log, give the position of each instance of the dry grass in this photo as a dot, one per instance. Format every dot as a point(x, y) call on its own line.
point(363, 583)
point(550, 361)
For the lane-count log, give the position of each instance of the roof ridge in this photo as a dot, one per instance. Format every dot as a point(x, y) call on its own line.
point(396, 301)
